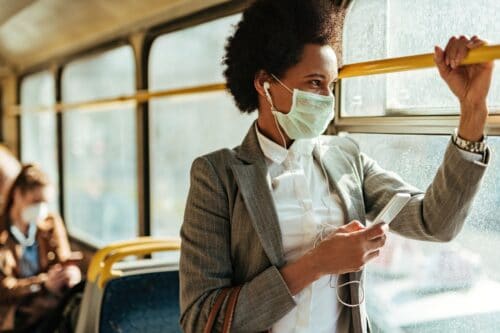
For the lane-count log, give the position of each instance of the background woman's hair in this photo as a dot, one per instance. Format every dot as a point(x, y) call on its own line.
point(29, 178)
point(271, 36)
point(9, 168)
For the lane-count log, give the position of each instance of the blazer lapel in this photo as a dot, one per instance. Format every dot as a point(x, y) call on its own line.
point(344, 179)
point(254, 188)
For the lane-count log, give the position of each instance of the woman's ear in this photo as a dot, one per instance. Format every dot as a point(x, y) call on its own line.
point(260, 80)
point(262, 85)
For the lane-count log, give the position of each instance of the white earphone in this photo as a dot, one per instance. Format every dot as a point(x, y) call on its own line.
point(266, 87)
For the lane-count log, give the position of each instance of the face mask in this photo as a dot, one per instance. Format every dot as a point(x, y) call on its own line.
point(35, 212)
point(309, 115)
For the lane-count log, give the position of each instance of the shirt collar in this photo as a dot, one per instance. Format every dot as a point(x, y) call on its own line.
point(277, 153)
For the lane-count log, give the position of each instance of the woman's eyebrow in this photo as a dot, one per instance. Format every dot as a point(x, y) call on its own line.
point(315, 75)
point(334, 76)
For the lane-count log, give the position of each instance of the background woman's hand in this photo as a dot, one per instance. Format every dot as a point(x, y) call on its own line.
point(62, 277)
point(57, 279)
point(349, 248)
point(469, 83)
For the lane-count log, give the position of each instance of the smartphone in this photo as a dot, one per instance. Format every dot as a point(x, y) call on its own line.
point(392, 209)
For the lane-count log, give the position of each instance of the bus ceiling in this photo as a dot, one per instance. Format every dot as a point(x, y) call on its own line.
point(30, 33)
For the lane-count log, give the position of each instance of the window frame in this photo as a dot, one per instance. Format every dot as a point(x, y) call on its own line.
point(432, 125)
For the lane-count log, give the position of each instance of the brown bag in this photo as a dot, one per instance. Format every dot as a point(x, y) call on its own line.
point(232, 295)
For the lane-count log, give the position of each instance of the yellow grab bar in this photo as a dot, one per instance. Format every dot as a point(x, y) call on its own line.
point(107, 273)
point(97, 262)
point(481, 54)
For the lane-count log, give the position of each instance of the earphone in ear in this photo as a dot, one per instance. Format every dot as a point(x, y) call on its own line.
point(266, 90)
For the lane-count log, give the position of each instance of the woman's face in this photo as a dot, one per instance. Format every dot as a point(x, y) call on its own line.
point(39, 195)
point(316, 73)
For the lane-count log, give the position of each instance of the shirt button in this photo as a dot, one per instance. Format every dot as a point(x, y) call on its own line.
point(274, 183)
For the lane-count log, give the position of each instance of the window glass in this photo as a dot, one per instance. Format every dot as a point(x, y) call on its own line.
point(39, 128)
point(434, 287)
point(379, 29)
point(100, 172)
point(185, 127)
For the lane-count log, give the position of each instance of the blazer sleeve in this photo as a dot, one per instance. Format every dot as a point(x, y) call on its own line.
point(205, 263)
point(438, 214)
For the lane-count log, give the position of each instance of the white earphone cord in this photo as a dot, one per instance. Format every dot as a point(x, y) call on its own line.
point(270, 101)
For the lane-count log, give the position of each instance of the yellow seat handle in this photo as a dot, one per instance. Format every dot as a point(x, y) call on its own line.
point(137, 250)
point(97, 262)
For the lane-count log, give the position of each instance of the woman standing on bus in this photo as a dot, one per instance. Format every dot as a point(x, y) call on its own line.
point(284, 214)
point(33, 247)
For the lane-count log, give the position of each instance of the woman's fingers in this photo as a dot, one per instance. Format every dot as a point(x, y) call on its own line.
point(450, 50)
point(462, 51)
point(372, 255)
point(456, 51)
point(439, 59)
point(351, 227)
point(379, 242)
point(475, 43)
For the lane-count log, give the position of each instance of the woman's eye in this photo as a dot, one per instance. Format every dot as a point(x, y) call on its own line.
point(316, 83)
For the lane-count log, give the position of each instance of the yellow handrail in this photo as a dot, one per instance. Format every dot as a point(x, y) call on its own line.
point(107, 273)
point(481, 54)
point(97, 261)
point(115, 102)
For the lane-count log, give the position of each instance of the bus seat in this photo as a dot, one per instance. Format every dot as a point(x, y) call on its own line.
point(141, 303)
point(98, 302)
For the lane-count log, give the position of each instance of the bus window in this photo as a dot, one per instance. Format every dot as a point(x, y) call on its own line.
point(99, 154)
point(413, 285)
point(419, 286)
point(184, 127)
point(38, 128)
point(385, 29)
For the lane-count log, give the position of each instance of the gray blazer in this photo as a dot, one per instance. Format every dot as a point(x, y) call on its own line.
point(231, 235)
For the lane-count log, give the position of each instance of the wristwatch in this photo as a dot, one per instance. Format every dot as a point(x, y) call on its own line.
point(478, 147)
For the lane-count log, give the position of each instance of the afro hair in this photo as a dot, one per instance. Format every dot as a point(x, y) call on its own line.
point(271, 36)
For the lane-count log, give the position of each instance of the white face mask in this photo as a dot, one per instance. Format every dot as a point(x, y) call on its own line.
point(309, 115)
point(35, 212)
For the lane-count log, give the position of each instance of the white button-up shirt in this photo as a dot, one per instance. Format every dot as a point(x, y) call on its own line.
point(305, 208)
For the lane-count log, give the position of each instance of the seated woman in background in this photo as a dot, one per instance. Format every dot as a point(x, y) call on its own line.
point(33, 250)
